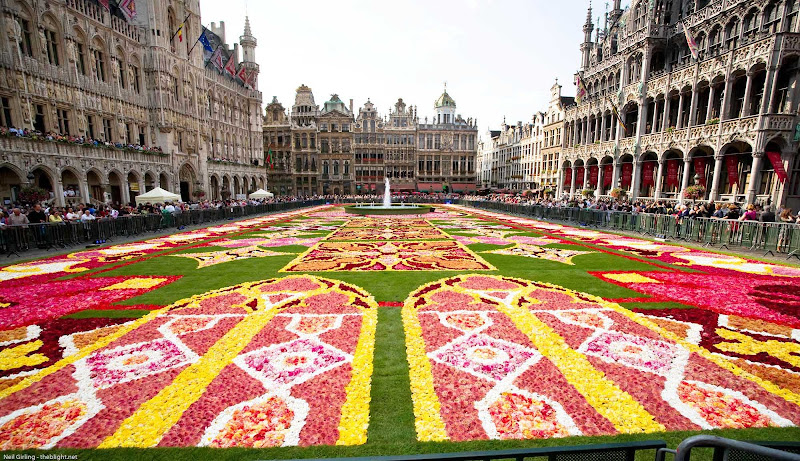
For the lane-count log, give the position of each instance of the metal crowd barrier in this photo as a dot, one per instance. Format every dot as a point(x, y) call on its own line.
point(771, 238)
point(728, 449)
point(18, 239)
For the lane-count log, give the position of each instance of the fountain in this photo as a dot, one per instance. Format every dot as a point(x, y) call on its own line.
point(387, 208)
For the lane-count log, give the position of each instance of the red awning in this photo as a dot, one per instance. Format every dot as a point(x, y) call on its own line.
point(464, 187)
point(429, 187)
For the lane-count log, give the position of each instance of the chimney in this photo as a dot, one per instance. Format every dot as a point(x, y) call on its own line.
point(351, 105)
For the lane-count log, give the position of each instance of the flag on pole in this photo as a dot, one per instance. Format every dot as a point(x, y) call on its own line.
point(203, 39)
point(693, 48)
point(179, 32)
point(230, 67)
point(581, 92)
point(104, 4)
point(617, 115)
point(128, 8)
point(242, 74)
point(269, 158)
point(216, 59)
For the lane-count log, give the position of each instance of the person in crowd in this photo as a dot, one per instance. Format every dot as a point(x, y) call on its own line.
point(87, 216)
point(37, 215)
point(750, 214)
point(17, 218)
point(786, 216)
point(56, 217)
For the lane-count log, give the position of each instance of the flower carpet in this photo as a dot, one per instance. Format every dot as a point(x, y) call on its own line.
point(319, 329)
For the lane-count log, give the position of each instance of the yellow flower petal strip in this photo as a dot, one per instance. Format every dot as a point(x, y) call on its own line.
point(625, 413)
point(355, 411)
point(427, 409)
point(148, 424)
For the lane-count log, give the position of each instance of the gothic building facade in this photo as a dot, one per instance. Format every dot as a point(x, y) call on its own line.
point(721, 115)
point(335, 151)
point(112, 106)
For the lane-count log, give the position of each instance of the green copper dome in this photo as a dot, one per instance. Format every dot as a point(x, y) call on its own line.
point(445, 101)
point(334, 104)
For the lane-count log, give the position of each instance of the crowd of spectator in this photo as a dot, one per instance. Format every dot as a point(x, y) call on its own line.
point(82, 140)
point(697, 209)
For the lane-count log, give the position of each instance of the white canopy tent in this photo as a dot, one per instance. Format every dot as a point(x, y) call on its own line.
point(157, 195)
point(261, 193)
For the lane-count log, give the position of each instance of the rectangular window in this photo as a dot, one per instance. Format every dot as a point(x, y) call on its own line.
point(107, 129)
point(63, 121)
point(437, 142)
point(38, 123)
point(141, 136)
point(5, 112)
point(129, 132)
point(122, 72)
point(52, 46)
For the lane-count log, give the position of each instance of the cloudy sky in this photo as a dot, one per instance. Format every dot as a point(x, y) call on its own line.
point(498, 57)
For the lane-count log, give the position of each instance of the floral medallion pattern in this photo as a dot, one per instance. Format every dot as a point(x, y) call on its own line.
point(279, 362)
point(494, 357)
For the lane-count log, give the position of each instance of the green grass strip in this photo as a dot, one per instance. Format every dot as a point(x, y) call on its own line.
point(108, 314)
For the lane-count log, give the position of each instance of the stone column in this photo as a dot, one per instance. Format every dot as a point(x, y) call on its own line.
point(755, 177)
point(714, 193)
point(659, 179)
point(585, 176)
point(84, 188)
point(693, 107)
point(599, 189)
point(106, 190)
point(726, 99)
point(710, 106)
point(665, 117)
point(125, 192)
point(679, 121)
point(769, 89)
point(58, 191)
point(560, 187)
point(636, 180)
point(573, 181)
point(616, 170)
point(597, 127)
point(603, 128)
point(746, 104)
point(687, 166)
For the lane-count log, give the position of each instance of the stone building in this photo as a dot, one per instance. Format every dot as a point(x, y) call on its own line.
point(723, 119)
point(278, 149)
point(446, 150)
point(335, 152)
point(155, 114)
point(553, 131)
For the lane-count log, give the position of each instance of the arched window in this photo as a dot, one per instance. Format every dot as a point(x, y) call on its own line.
point(771, 18)
point(27, 40)
point(791, 16)
point(346, 168)
point(171, 27)
point(715, 40)
point(134, 75)
point(121, 68)
point(98, 52)
point(750, 22)
point(80, 52)
point(732, 33)
point(52, 40)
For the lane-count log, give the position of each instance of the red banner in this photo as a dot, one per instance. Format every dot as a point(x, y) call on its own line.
point(593, 172)
point(567, 176)
point(700, 169)
point(672, 173)
point(647, 173)
point(608, 175)
point(732, 163)
point(777, 164)
point(627, 174)
point(579, 176)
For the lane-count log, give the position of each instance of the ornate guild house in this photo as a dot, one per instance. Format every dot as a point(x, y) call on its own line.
point(680, 93)
point(102, 101)
point(333, 150)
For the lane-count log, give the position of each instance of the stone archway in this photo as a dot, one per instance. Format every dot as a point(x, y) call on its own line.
point(187, 179)
point(10, 184)
point(71, 185)
point(134, 186)
point(115, 187)
point(163, 181)
point(43, 178)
